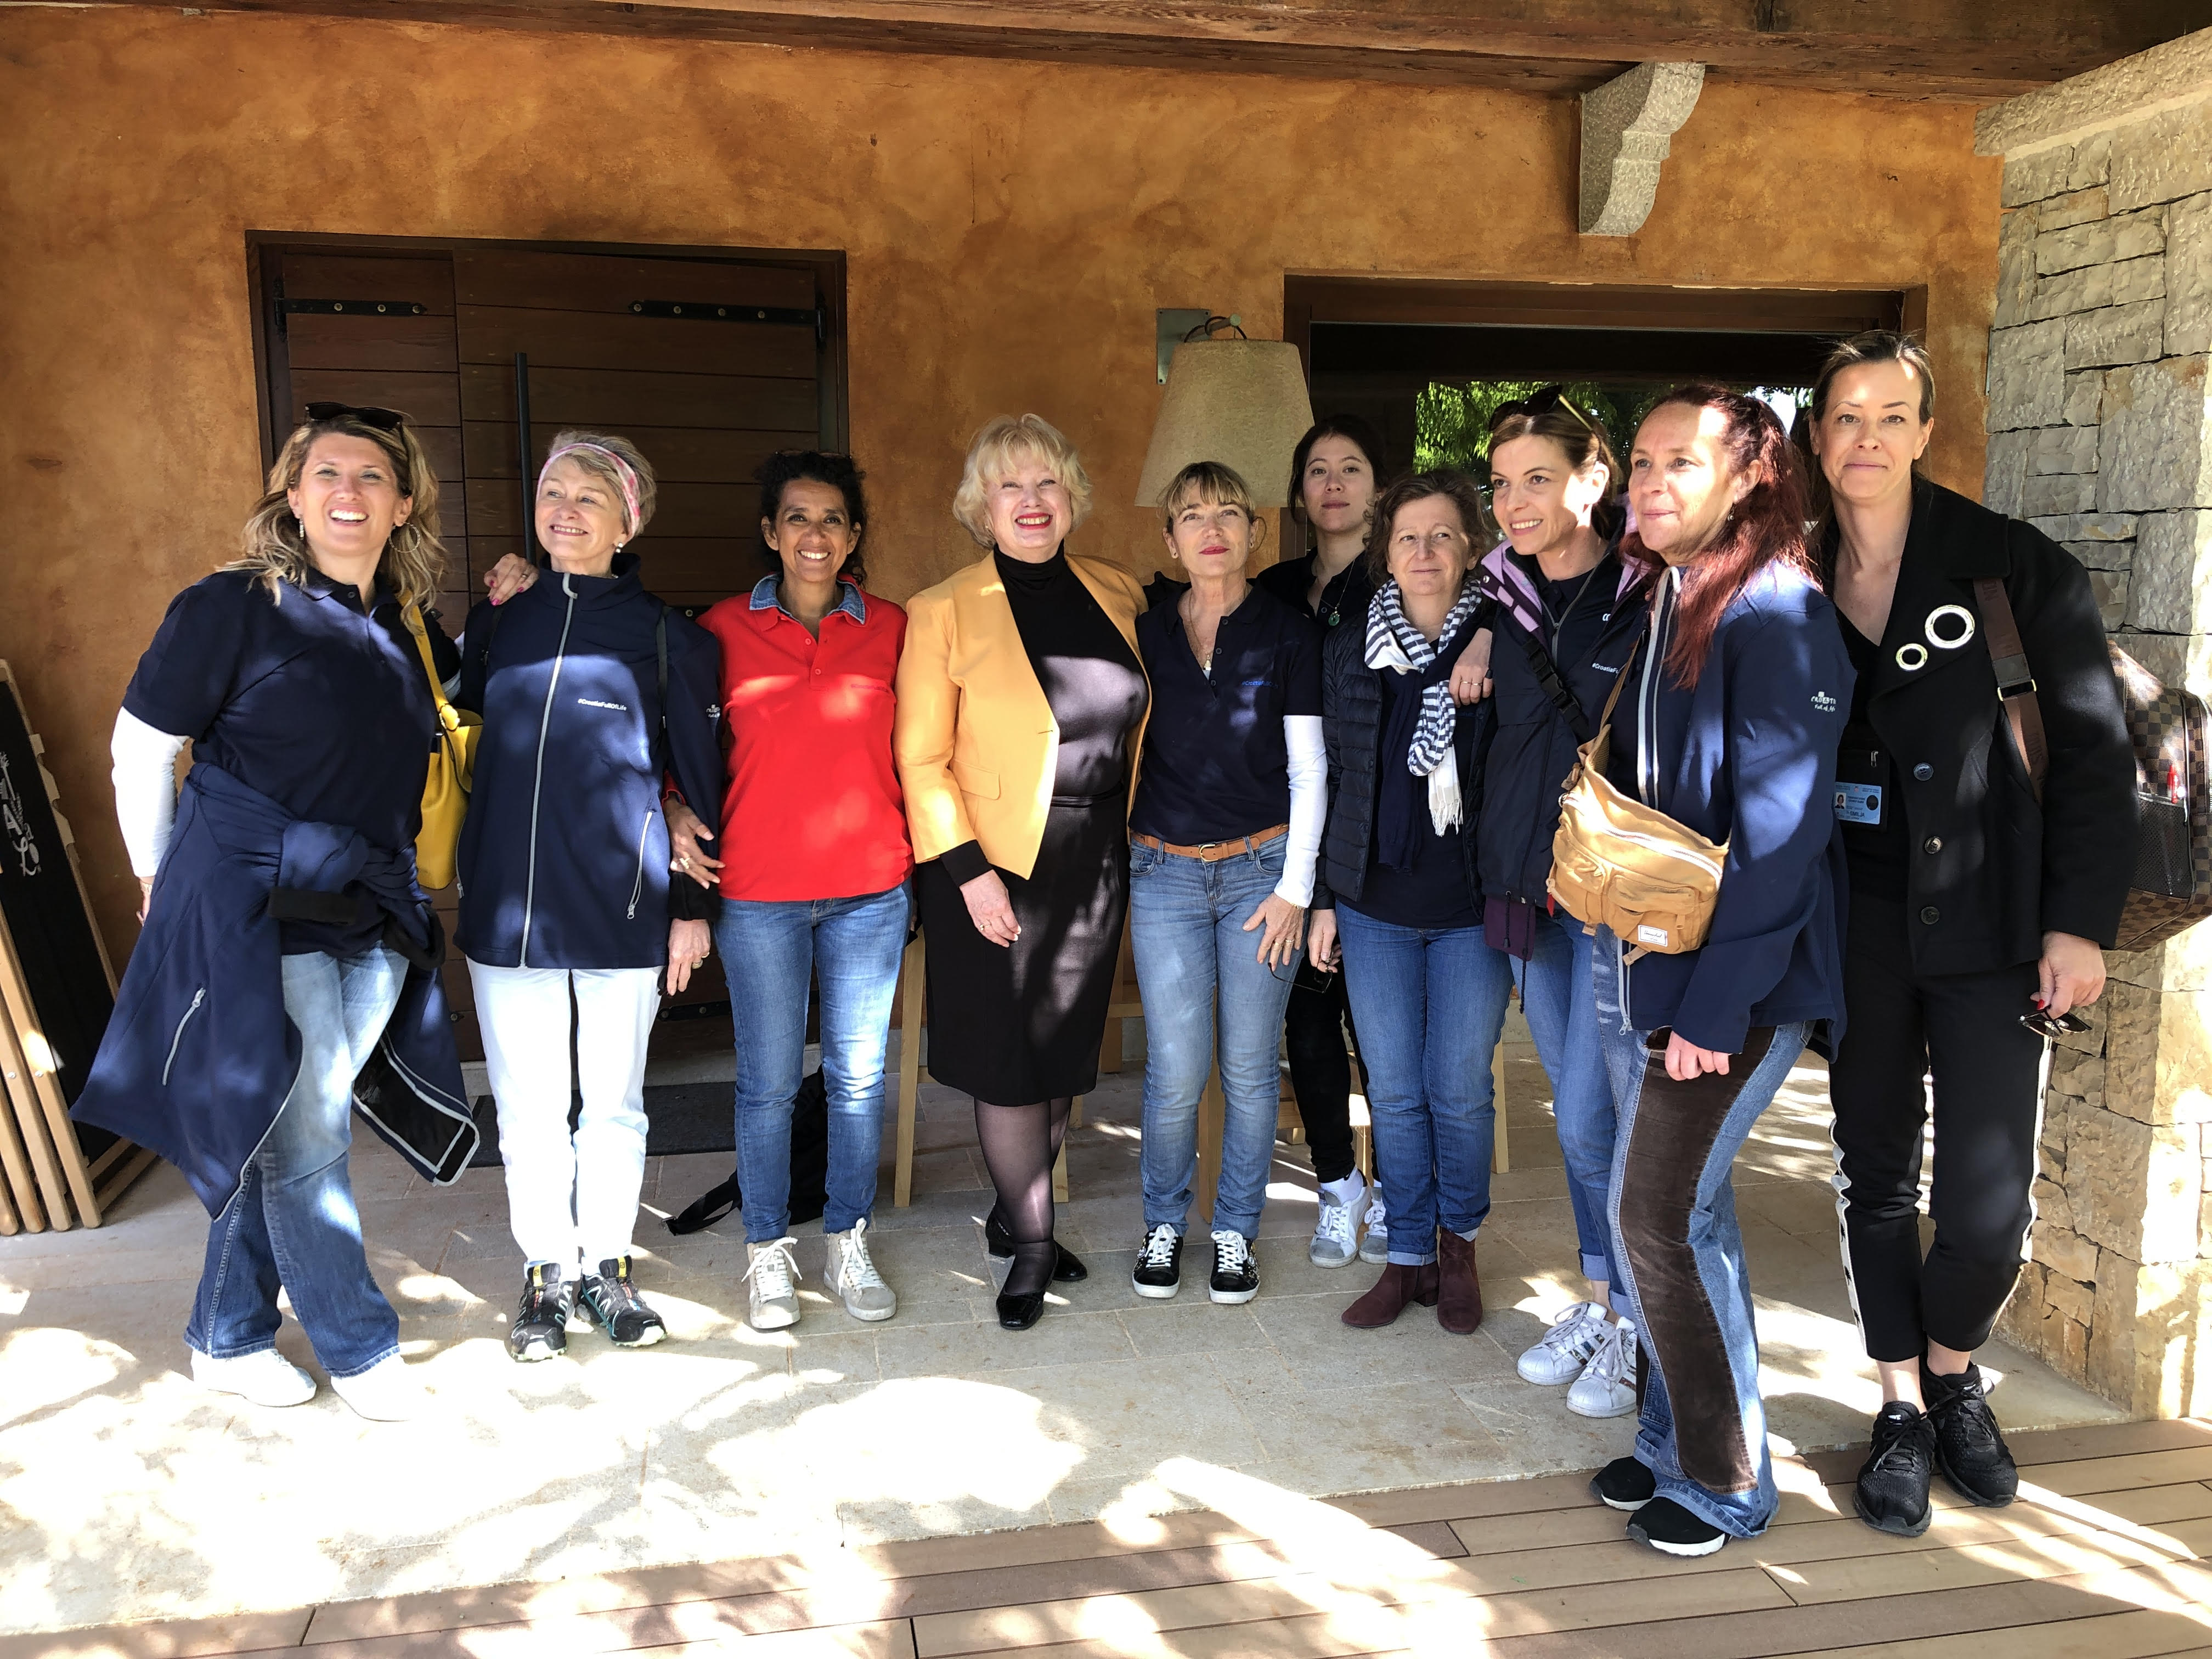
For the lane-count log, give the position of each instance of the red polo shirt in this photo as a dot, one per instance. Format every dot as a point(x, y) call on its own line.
point(813, 810)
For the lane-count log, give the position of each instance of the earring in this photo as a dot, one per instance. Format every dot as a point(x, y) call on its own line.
point(620, 545)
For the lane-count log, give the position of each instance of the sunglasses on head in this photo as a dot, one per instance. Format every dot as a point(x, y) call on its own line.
point(384, 420)
point(1542, 403)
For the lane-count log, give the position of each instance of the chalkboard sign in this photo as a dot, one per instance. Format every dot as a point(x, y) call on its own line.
point(64, 966)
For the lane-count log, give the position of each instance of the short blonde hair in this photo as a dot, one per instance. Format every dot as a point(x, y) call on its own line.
point(1004, 439)
point(590, 451)
point(1206, 483)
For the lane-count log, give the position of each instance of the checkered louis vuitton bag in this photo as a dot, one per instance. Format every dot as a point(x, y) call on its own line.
point(2171, 730)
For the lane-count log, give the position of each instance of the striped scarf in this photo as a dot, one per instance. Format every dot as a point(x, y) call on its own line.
point(1395, 643)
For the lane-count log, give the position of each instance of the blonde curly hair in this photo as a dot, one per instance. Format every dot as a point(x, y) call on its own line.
point(1004, 441)
point(274, 547)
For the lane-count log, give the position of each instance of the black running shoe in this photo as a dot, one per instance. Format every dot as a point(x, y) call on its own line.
point(1970, 1451)
point(1158, 1271)
point(540, 1330)
point(615, 1303)
point(1892, 1494)
point(1673, 1530)
point(1235, 1269)
point(1624, 1483)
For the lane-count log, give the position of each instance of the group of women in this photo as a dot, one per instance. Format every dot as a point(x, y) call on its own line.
point(1322, 797)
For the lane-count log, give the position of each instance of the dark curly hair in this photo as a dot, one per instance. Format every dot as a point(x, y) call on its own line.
point(1446, 481)
point(789, 466)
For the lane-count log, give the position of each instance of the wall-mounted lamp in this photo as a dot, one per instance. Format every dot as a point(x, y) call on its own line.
point(1240, 402)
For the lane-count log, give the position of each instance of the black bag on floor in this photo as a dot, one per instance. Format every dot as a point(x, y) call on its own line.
point(809, 1166)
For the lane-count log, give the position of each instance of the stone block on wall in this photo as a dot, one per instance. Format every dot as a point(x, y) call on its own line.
point(2158, 1053)
point(2032, 177)
point(2117, 334)
point(2166, 156)
point(2094, 286)
point(2075, 208)
point(2006, 469)
point(2189, 277)
point(2172, 590)
point(2134, 1187)
point(2103, 556)
point(2157, 442)
point(2085, 397)
point(2046, 495)
point(2101, 242)
point(2063, 449)
point(2027, 381)
point(2092, 161)
point(2089, 527)
point(2065, 1252)
point(2151, 1326)
point(2015, 267)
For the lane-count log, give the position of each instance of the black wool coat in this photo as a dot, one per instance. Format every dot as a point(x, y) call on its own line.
point(1991, 870)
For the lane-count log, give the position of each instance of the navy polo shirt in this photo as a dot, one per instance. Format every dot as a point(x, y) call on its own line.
point(320, 706)
point(1215, 763)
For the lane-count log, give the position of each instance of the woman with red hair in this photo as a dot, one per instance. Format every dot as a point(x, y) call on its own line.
point(1732, 703)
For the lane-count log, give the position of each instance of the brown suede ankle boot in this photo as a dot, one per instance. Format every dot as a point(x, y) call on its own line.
point(1383, 1304)
point(1459, 1302)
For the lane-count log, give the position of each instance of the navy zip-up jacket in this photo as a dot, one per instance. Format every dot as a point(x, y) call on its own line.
point(1748, 757)
point(200, 1054)
point(564, 855)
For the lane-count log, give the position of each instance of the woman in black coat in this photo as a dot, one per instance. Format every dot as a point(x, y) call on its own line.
point(1976, 911)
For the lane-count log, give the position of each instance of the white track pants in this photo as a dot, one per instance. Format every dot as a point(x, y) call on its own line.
point(569, 1196)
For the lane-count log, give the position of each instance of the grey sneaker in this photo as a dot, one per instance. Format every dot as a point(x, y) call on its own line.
point(771, 1281)
point(1336, 1232)
point(1375, 1245)
point(852, 1277)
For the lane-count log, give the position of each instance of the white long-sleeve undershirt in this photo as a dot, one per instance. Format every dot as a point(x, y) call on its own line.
point(1308, 766)
point(145, 777)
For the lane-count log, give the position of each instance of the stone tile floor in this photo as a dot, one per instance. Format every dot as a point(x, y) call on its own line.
point(126, 1493)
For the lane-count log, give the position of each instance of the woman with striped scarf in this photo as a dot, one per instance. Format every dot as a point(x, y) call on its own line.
point(1398, 899)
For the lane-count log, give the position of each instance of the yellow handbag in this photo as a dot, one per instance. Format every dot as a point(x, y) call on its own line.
point(453, 768)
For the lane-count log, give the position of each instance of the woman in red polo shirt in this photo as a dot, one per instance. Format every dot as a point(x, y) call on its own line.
point(813, 863)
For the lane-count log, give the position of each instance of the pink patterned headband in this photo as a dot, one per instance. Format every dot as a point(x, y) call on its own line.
point(622, 470)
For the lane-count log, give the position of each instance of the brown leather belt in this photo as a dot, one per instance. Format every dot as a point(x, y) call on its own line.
point(1212, 852)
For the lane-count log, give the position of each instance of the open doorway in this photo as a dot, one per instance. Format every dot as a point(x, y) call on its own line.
point(1428, 362)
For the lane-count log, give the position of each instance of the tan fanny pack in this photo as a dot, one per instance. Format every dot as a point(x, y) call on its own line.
point(1620, 863)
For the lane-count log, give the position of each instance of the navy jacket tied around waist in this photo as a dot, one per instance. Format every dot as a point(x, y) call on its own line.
point(200, 1056)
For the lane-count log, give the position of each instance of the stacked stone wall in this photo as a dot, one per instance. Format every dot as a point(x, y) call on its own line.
point(2100, 434)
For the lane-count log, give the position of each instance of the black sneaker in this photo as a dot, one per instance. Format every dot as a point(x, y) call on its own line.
point(1892, 1494)
point(1235, 1269)
point(615, 1303)
point(1970, 1451)
point(1673, 1530)
point(1159, 1264)
point(1624, 1483)
point(540, 1330)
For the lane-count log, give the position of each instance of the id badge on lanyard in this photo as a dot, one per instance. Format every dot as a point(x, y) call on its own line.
point(1862, 773)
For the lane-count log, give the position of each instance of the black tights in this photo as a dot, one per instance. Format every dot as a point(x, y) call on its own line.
point(1020, 1145)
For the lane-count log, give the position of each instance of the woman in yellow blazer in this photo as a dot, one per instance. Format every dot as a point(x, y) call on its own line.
point(1020, 703)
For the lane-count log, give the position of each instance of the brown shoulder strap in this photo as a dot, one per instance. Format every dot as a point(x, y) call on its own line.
point(2016, 684)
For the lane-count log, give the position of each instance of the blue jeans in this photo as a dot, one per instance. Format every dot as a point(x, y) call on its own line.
point(1681, 1255)
point(770, 950)
point(1187, 930)
point(1555, 995)
point(1430, 1005)
point(292, 1221)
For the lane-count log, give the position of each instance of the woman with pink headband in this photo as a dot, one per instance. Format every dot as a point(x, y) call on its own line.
point(592, 691)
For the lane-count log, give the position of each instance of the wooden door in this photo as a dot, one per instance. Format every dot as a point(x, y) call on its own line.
point(707, 364)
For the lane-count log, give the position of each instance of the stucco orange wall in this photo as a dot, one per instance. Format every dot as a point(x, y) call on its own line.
point(1010, 229)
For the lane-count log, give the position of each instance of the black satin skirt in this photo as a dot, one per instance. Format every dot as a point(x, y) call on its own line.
point(1022, 1023)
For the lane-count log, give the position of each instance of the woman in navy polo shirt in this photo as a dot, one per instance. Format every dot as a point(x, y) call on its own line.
point(592, 691)
point(293, 674)
point(1223, 836)
point(813, 869)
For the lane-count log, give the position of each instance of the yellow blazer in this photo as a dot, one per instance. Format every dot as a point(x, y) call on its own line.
point(976, 743)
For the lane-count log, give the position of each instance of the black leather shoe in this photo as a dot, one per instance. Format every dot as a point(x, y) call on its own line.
point(1970, 1451)
point(1892, 1493)
point(999, 1240)
point(1018, 1313)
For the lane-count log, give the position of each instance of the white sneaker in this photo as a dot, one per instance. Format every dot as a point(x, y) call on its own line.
point(385, 1393)
point(1336, 1233)
point(772, 1281)
point(265, 1377)
point(1607, 1387)
point(852, 1277)
point(1561, 1353)
point(1375, 1245)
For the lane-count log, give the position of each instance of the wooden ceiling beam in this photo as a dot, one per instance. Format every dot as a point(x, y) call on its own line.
point(1975, 50)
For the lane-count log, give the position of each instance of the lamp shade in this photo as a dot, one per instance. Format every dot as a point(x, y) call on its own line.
point(1242, 403)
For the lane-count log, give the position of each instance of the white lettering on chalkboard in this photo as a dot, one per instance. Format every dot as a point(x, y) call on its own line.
point(16, 822)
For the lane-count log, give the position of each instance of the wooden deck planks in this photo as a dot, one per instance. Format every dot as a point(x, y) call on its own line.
point(2101, 1559)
